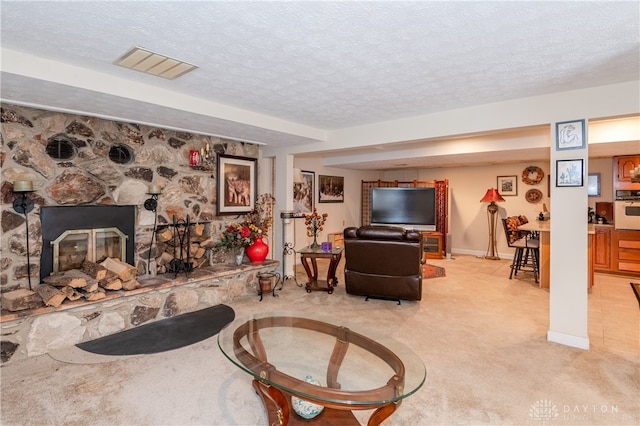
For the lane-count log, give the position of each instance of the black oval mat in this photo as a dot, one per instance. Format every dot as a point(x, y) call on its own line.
point(164, 335)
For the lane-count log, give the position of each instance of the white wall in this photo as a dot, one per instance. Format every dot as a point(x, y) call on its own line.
point(467, 185)
point(468, 225)
point(341, 215)
point(467, 215)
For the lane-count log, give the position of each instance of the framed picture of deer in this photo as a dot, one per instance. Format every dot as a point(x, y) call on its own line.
point(237, 184)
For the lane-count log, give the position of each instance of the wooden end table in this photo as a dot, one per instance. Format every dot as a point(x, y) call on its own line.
point(311, 255)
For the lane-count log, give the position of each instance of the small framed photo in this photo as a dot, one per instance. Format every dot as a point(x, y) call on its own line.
point(569, 173)
point(508, 185)
point(593, 185)
point(237, 188)
point(303, 194)
point(570, 135)
point(331, 189)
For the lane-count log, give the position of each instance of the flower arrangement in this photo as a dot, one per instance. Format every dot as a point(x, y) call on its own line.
point(256, 225)
point(260, 218)
point(315, 222)
point(236, 235)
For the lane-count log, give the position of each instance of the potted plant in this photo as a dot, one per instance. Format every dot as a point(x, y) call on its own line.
point(234, 239)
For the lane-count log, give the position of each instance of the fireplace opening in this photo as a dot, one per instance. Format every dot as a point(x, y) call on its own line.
point(72, 234)
point(75, 246)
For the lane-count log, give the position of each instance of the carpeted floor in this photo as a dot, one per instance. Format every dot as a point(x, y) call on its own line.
point(481, 336)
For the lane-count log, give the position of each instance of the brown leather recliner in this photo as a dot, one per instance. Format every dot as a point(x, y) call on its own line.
point(383, 262)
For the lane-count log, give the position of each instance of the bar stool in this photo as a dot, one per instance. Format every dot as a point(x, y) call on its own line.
point(527, 255)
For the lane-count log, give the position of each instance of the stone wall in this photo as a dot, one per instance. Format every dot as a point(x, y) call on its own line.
point(90, 176)
point(47, 329)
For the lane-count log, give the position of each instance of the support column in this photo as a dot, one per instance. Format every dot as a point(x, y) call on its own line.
point(283, 228)
point(568, 307)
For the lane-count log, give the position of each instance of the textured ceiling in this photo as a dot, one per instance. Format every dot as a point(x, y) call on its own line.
point(316, 66)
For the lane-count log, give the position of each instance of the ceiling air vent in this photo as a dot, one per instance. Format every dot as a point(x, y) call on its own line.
point(144, 60)
point(121, 154)
point(60, 148)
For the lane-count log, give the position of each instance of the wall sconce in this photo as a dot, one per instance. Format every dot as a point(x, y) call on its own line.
point(24, 205)
point(203, 157)
point(297, 176)
point(151, 204)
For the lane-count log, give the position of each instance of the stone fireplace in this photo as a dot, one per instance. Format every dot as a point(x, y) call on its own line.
point(72, 234)
point(95, 165)
point(82, 167)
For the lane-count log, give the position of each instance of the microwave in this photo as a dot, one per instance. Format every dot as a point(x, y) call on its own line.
point(627, 214)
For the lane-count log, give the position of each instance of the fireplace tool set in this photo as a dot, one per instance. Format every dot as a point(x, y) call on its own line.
point(182, 239)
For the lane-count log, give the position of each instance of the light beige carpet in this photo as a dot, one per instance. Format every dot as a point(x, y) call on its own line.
point(480, 335)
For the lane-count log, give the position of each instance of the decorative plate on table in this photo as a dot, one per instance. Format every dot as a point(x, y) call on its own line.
point(533, 195)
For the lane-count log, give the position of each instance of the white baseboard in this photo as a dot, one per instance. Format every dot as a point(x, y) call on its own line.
point(568, 340)
point(504, 256)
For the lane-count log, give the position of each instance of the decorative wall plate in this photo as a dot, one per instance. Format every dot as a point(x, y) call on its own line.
point(532, 175)
point(533, 196)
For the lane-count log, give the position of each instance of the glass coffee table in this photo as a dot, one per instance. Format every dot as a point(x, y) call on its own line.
point(302, 364)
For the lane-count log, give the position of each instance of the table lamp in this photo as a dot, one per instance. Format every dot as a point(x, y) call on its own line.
point(492, 195)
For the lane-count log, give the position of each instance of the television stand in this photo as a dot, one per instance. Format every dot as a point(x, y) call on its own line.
point(432, 244)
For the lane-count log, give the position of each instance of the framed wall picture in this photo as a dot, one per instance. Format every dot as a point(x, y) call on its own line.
point(237, 188)
point(593, 185)
point(303, 194)
point(569, 173)
point(570, 135)
point(508, 185)
point(331, 189)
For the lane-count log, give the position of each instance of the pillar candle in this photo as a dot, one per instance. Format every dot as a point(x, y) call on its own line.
point(22, 186)
point(154, 189)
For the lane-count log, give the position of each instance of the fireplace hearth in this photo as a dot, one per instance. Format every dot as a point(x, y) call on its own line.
point(71, 234)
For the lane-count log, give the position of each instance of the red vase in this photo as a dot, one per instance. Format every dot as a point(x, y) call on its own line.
point(257, 252)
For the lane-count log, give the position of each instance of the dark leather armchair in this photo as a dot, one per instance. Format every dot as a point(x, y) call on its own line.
point(383, 262)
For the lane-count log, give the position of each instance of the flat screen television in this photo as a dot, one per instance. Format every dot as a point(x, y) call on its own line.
point(412, 208)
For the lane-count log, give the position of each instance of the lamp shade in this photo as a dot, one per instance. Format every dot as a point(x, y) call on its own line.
point(297, 176)
point(491, 195)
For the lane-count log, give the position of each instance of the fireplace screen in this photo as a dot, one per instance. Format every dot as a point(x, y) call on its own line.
point(73, 247)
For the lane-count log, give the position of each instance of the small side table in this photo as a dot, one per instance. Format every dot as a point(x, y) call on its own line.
point(309, 254)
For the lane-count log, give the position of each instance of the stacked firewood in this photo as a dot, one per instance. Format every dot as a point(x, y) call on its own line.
point(91, 282)
point(169, 247)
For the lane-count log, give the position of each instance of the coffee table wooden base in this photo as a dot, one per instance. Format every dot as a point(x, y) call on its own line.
point(278, 406)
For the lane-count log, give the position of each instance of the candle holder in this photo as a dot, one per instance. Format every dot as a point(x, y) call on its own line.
point(151, 204)
point(24, 205)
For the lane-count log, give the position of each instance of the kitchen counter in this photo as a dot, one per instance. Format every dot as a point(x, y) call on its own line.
point(544, 228)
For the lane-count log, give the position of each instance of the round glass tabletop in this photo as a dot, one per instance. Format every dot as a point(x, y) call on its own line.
point(292, 351)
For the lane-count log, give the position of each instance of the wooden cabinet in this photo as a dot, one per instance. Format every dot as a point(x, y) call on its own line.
point(625, 165)
point(432, 244)
point(628, 251)
point(602, 248)
point(336, 239)
point(622, 167)
point(616, 252)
